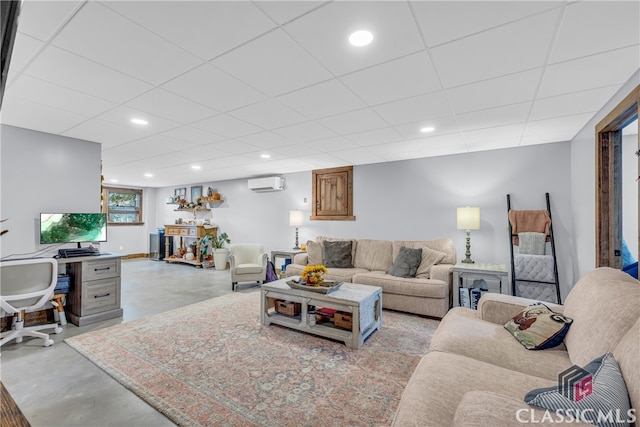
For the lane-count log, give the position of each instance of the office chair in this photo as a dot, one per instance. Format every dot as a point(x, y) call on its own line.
point(248, 263)
point(26, 285)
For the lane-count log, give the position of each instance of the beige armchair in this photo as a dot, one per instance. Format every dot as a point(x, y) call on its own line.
point(248, 263)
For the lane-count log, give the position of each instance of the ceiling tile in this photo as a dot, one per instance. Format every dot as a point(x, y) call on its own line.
point(442, 125)
point(66, 69)
point(332, 144)
point(41, 117)
point(106, 132)
point(122, 116)
point(354, 121)
point(146, 147)
point(268, 114)
point(227, 126)
point(514, 47)
point(324, 33)
point(170, 106)
point(322, 100)
point(193, 135)
point(590, 27)
point(397, 79)
point(507, 90)
point(297, 150)
point(273, 64)
point(24, 50)
point(572, 103)
point(284, 11)
point(562, 127)
point(214, 88)
point(493, 117)
point(442, 21)
point(590, 72)
point(131, 49)
point(59, 97)
point(201, 22)
point(417, 108)
point(266, 140)
point(510, 132)
point(41, 19)
point(233, 146)
point(375, 137)
point(305, 132)
point(358, 156)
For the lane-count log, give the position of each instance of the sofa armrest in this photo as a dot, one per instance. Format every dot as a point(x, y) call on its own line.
point(301, 259)
point(442, 272)
point(500, 308)
point(485, 408)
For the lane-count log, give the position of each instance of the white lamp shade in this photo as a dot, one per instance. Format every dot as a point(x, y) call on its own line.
point(296, 218)
point(468, 218)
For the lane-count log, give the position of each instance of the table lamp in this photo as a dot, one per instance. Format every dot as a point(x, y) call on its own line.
point(296, 219)
point(468, 219)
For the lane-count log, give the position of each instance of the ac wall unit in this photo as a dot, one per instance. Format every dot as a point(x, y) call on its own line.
point(271, 183)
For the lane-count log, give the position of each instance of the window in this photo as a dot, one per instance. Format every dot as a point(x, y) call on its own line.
point(124, 205)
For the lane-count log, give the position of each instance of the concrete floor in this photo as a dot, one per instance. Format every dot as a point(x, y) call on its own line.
point(57, 386)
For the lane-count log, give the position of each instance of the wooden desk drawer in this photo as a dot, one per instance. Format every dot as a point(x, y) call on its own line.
point(100, 269)
point(100, 295)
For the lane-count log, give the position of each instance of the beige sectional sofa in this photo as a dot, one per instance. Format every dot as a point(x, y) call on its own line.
point(477, 374)
point(429, 293)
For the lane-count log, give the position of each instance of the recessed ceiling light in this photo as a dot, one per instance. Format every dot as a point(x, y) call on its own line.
point(427, 129)
point(148, 175)
point(265, 156)
point(139, 121)
point(361, 38)
point(196, 167)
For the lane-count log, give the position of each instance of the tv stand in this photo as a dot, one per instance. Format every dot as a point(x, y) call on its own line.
point(94, 294)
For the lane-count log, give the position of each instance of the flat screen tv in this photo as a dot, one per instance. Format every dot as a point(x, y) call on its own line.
point(73, 228)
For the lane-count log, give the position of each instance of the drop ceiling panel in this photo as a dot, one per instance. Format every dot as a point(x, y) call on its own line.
point(24, 50)
point(123, 115)
point(106, 132)
point(332, 144)
point(129, 49)
point(285, 11)
point(321, 100)
point(572, 103)
point(489, 136)
point(442, 21)
point(325, 33)
point(557, 126)
point(354, 121)
point(441, 125)
point(265, 140)
point(214, 88)
point(40, 117)
point(227, 126)
point(273, 64)
point(171, 106)
point(358, 156)
point(233, 146)
point(422, 107)
point(590, 72)
point(305, 132)
point(493, 117)
point(268, 114)
point(41, 19)
point(143, 148)
point(495, 52)
point(206, 29)
point(590, 27)
point(297, 150)
point(69, 70)
point(375, 137)
point(193, 135)
point(397, 79)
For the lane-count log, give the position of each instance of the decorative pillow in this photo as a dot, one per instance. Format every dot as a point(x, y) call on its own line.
point(430, 257)
point(537, 327)
point(337, 254)
point(314, 250)
point(598, 393)
point(531, 243)
point(406, 263)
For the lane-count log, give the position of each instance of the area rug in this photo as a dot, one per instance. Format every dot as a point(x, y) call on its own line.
point(214, 363)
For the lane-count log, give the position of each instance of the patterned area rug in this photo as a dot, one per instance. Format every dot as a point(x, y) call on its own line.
point(213, 363)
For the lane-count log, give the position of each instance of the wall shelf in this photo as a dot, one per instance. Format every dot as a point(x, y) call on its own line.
point(196, 209)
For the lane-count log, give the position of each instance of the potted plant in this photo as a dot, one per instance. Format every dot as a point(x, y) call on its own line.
point(204, 246)
point(220, 253)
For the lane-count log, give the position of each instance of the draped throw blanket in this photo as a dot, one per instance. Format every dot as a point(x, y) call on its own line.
point(537, 221)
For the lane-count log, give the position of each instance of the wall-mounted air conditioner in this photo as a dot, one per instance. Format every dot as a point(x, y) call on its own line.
point(271, 183)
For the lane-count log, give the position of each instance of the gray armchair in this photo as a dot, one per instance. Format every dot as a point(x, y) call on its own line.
point(248, 263)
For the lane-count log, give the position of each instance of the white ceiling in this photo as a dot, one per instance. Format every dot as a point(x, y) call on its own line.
point(222, 83)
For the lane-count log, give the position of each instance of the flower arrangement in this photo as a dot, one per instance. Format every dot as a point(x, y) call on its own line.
point(312, 274)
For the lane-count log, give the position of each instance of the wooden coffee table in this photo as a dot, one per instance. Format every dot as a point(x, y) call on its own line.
point(362, 301)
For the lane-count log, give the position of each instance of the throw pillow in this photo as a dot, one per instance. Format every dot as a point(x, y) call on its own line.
point(314, 250)
point(602, 400)
point(430, 257)
point(406, 263)
point(337, 254)
point(531, 243)
point(538, 327)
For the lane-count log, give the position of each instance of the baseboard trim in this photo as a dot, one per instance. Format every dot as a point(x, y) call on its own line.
point(133, 256)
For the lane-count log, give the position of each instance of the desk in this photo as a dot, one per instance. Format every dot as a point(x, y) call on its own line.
point(495, 276)
point(187, 231)
point(94, 293)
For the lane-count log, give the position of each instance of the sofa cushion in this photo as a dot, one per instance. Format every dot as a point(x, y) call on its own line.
point(603, 293)
point(337, 254)
point(409, 286)
point(343, 274)
point(440, 381)
point(314, 250)
point(461, 332)
point(606, 394)
point(430, 256)
point(406, 263)
point(537, 327)
point(626, 354)
point(373, 254)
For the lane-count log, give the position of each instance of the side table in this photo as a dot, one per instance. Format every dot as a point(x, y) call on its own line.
point(464, 274)
point(286, 254)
